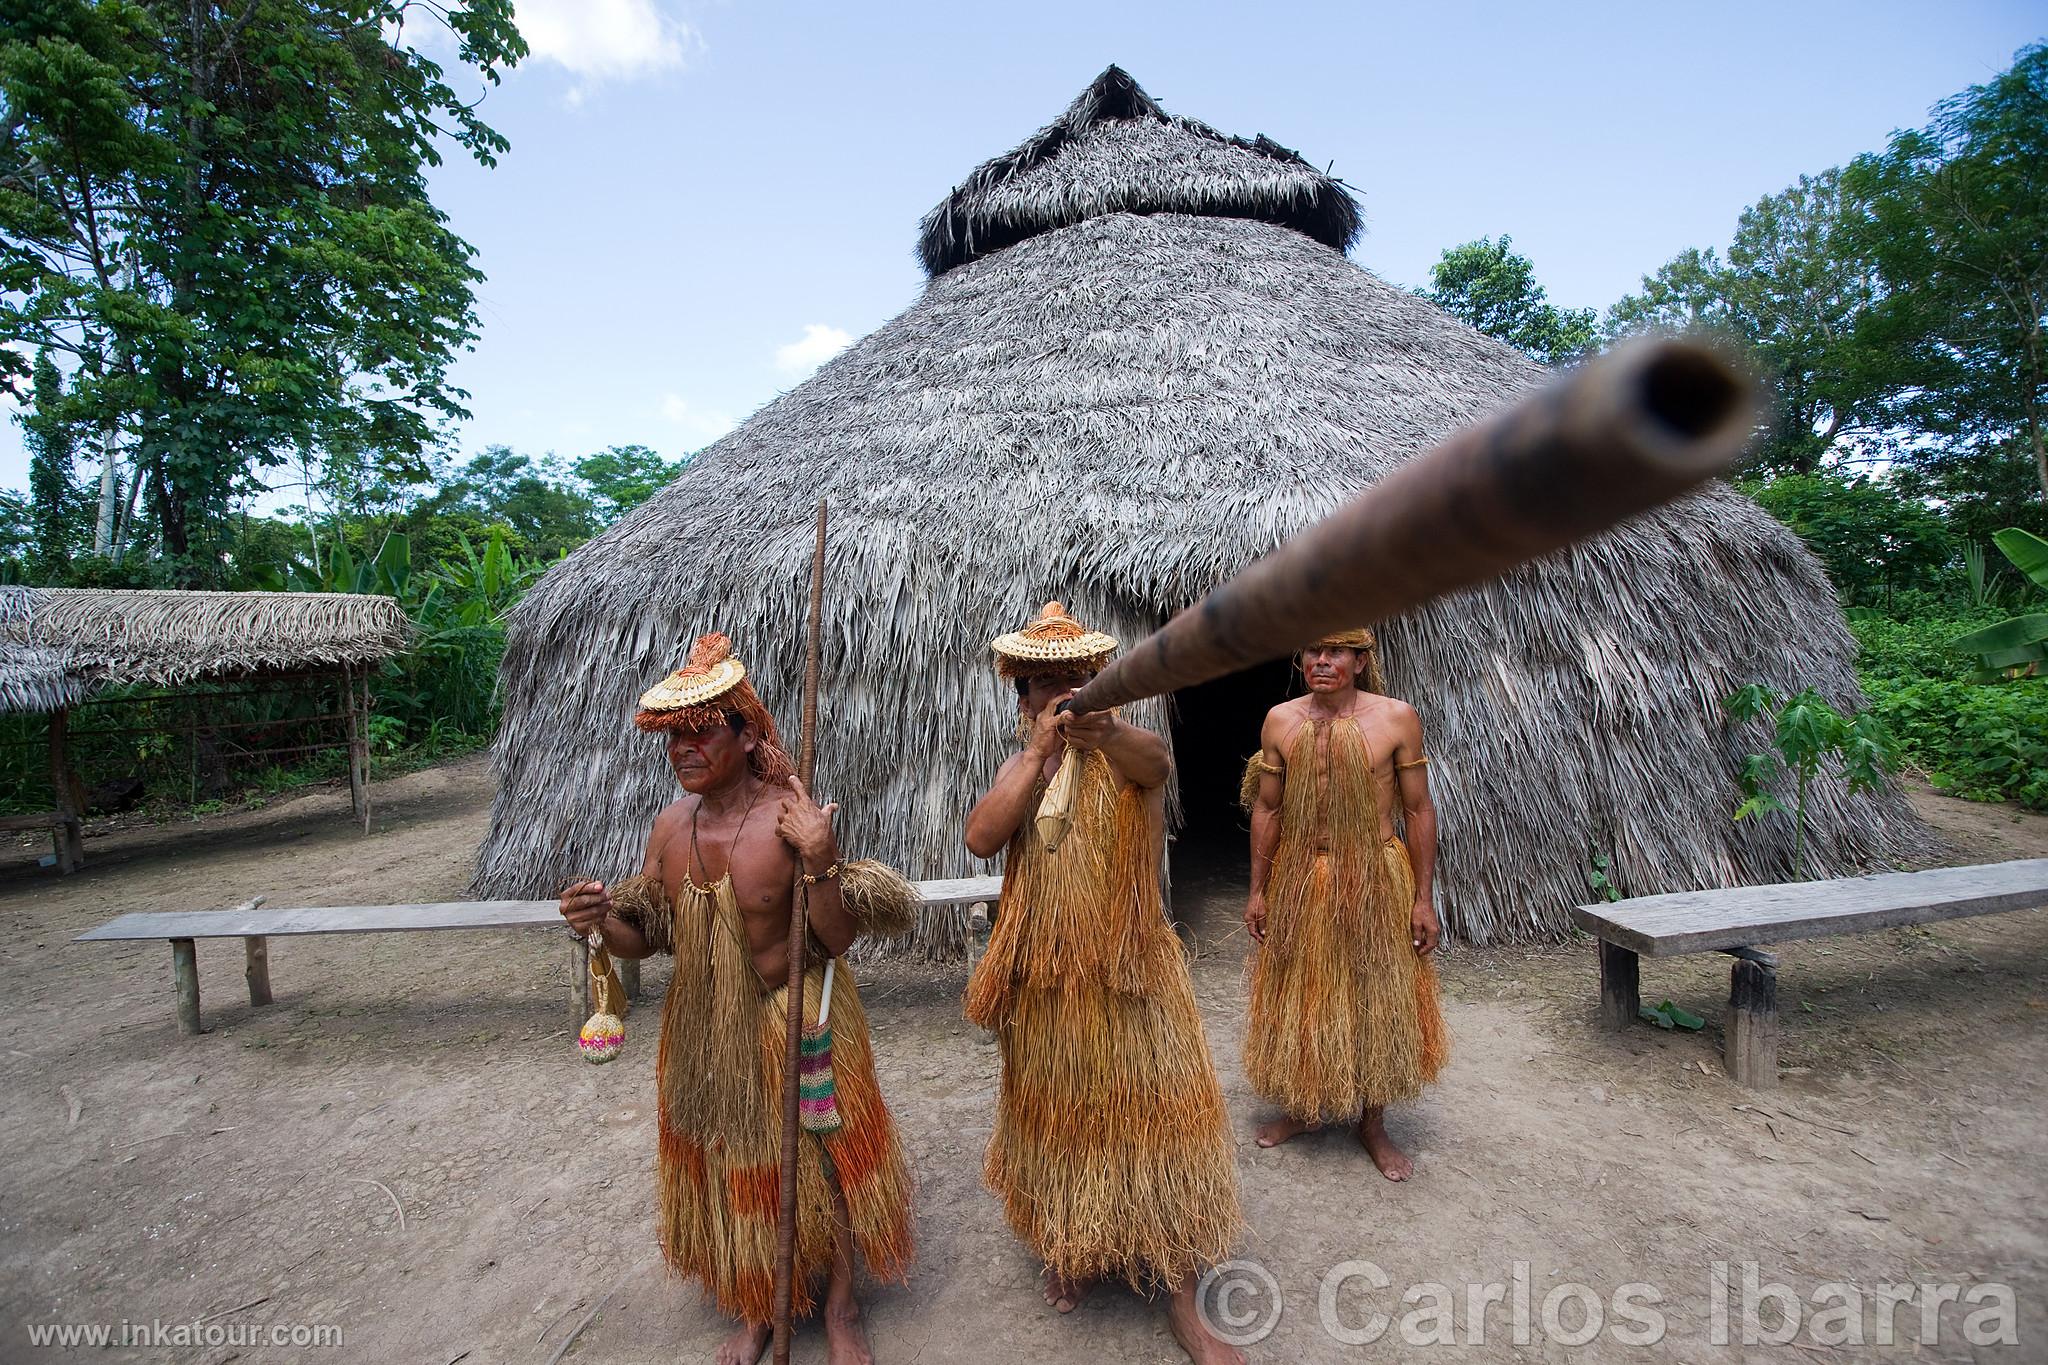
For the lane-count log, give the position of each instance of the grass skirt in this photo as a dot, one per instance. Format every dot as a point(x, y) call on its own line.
point(719, 1167)
point(1112, 1151)
point(1344, 1014)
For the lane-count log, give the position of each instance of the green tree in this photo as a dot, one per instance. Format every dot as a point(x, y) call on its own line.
point(537, 500)
point(623, 477)
point(1489, 285)
point(1792, 293)
point(1955, 218)
point(51, 435)
point(1873, 539)
point(220, 209)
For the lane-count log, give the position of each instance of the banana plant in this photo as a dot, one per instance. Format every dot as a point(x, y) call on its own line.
point(2016, 647)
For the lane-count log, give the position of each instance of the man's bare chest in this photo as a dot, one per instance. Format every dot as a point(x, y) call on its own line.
point(760, 865)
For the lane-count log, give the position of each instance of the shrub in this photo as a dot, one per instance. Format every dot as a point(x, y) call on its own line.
point(1982, 743)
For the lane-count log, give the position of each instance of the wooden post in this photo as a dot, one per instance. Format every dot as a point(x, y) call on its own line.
point(257, 970)
point(185, 975)
point(1620, 978)
point(579, 982)
point(629, 975)
point(363, 747)
point(1751, 1034)
point(358, 744)
point(69, 833)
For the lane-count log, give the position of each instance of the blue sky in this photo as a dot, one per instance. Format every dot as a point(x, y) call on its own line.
point(705, 199)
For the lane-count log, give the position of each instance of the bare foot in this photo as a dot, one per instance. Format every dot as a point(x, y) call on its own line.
point(1273, 1132)
point(1392, 1161)
point(1065, 1295)
point(745, 1345)
point(846, 1343)
point(1194, 1336)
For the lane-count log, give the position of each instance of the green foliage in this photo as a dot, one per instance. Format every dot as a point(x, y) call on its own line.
point(56, 509)
point(443, 689)
point(1492, 287)
point(1670, 1016)
point(1872, 539)
point(1789, 294)
point(2017, 647)
point(220, 211)
point(1598, 866)
point(2028, 553)
point(1952, 218)
point(1806, 732)
point(1980, 743)
point(623, 477)
point(1895, 652)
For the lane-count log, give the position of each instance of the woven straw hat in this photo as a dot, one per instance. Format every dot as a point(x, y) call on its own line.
point(1052, 640)
point(1357, 638)
point(710, 673)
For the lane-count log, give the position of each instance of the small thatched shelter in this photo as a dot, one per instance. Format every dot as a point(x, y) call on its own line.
point(59, 644)
point(168, 637)
point(1141, 361)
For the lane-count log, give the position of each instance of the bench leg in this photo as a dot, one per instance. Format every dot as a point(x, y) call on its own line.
point(1620, 988)
point(70, 845)
point(257, 970)
point(1752, 1029)
point(629, 975)
point(185, 974)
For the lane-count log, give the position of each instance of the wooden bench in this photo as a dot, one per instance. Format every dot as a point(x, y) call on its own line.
point(256, 926)
point(1736, 920)
point(66, 831)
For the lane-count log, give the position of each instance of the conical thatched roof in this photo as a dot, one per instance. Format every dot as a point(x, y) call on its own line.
point(1142, 361)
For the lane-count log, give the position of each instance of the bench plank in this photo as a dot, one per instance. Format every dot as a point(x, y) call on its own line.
point(960, 891)
point(324, 919)
point(361, 919)
point(1706, 921)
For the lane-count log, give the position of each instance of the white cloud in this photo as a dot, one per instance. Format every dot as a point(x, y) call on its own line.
point(699, 425)
point(820, 343)
point(606, 39)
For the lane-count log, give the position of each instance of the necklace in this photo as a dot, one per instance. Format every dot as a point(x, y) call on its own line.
point(697, 853)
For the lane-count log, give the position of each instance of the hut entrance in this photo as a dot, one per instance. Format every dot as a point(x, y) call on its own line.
point(1215, 728)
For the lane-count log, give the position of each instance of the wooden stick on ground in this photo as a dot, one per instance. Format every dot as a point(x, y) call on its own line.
point(799, 952)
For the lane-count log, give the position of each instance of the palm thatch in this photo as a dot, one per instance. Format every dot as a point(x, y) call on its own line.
point(17, 604)
point(164, 637)
point(33, 679)
point(1116, 151)
point(1156, 382)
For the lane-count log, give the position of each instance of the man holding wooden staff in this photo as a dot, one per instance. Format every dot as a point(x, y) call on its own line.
point(714, 890)
point(1344, 1013)
point(1111, 1150)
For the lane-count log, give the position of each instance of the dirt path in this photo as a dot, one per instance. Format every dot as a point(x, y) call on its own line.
point(405, 1146)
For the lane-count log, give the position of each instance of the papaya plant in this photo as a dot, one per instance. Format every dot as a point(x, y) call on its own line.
point(1806, 732)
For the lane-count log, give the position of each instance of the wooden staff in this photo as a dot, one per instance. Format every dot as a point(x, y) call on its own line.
point(1627, 432)
point(799, 953)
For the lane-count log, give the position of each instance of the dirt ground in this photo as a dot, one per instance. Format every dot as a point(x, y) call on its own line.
point(405, 1146)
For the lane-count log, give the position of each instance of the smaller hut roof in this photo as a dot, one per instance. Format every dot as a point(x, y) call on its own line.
point(164, 637)
point(17, 604)
point(35, 679)
point(1116, 151)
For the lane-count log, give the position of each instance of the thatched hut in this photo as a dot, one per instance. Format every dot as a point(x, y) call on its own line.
point(57, 645)
point(1142, 359)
